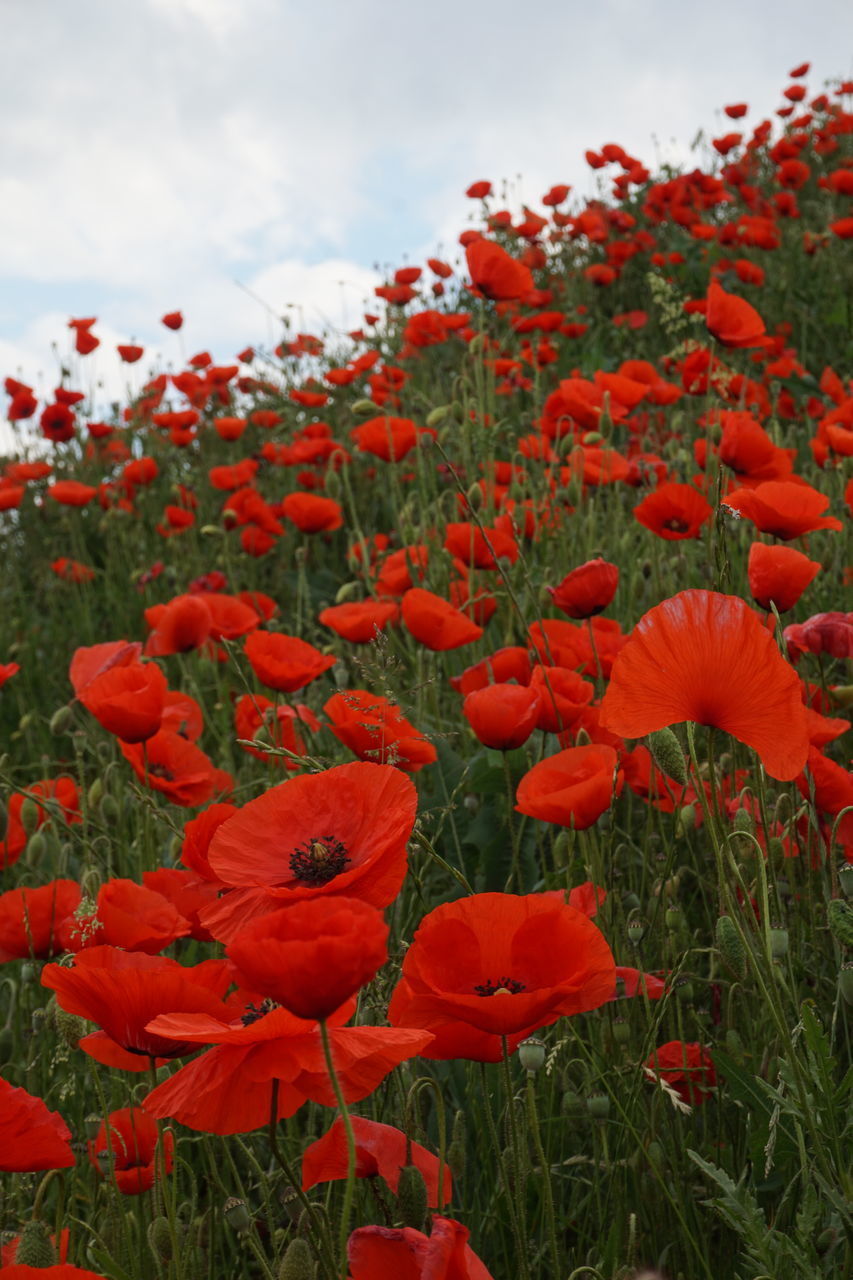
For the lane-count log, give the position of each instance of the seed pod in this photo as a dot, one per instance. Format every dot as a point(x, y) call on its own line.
point(598, 1106)
point(621, 1030)
point(845, 879)
point(730, 946)
point(840, 918)
point(636, 931)
point(845, 982)
point(531, 1055)
point(236, 1214)
point(668, 755)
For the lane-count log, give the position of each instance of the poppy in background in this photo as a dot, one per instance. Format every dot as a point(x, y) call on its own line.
point(731, 320)
point(358, 622)
point(779, 575)
point(784, 508)
point(285, 663)
point(674, 511)
point(31, 919)
point(587, 590)
point(381, 1151)
point(435, 623)
point(503, 716)
point(573, 787)
point(125, 1148)
point(686, 1068)
point(374, 728)
point(494, 273)
point(708, 658)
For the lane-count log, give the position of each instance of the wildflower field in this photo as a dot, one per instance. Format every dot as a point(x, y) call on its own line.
point(426, 759)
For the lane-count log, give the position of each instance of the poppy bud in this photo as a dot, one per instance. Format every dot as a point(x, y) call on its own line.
point(160, 1238)
point(61, 720)
point(456, 1150)
point(531, 1055)
point(730, 946)
point(95, 794)
point(436, 416)
point(92, 1124)
point(778, 942)
point(474, 497)
point(36, 849)
point(734, 1045)
point(667, 755)
point(412, 1197)
point(109, 809)
point(363, 407)
point(840, 919)
point(744, 825)
point(35, 1248)
point(621, 1031)
point(236, 1214)
point(684, 991)
point(686, 819)
point(298, 1261)
point(29, 815)
point(572, 1105)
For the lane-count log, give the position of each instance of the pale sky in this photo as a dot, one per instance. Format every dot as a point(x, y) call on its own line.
point(153, 152)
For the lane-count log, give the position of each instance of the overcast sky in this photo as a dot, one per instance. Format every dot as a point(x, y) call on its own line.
point(155, 152)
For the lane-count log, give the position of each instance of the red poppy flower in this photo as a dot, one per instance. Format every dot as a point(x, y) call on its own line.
point(126, 1146)
point(674, 511)
point(91, 661)
point(61, 1271)
point(342, 831)
point(831, 784)
point(178, 769)
point(261, 1047)
point(7, 670)
point(123, 990)
point(359, 622)
point(402, 1253)
point(127, 915)
point(830, 633)
point(708, 658)
point(732, 321)
point(435, 623)
point(198, 833)
point(785, 508)
point(573, 787)
point(380, 1151)
point(509, 663)
point(72, 570)
point(283, 662)
point(187, 894)
point(62, 791)
point(480, 548)
point(312, 513)
point(254, 712)
point(57, 423)
point(374, 728)
point(503, 965)
point(390, 439)
point(563, 695)
point(31, 1137)
point(127, 700)
point(172, 319)
point(30, 919)
point(230, 428)
point(503, 716)
point(494, 273)
point(177, 627)
point(71, 493)
point(313, 955)
point(686, 1068)
point(130, 352)
point(587, 590)
point(779, 575)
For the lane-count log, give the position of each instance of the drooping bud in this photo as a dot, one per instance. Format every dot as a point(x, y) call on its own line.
point(29, 815)
point(412, 1197)
point(668, 755)
point(61, 721)
point(160, 1238)
point(730, 946)
point(456, 1150)
point(35, 1248)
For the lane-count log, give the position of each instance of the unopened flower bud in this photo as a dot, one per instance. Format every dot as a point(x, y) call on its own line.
point(840, 918)
point(436, 416)
point(778, 942)
point(298, 1261)
point(36, 849)
point(730, 946)
point(412, 1197)
point(456, 1150)
point(621, 1030)
point(29, 815)
point(160, 1238)
point(35, 1248)
point(61, 721)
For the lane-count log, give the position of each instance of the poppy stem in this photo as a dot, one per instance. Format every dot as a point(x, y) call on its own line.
point(545, 1169)
point(519, 1159)
point(351, 1153)
point(319, 1238)
point(515, 869)
point(512, 1208)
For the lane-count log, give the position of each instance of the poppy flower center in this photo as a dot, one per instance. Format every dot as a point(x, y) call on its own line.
point(318, 860)
point(160, 771)
point(503, 987)
point(254, 1012)
point(675, 525)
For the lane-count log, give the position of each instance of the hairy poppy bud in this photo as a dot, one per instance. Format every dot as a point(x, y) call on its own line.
point(436, 416)
point(730, 946)
point(778, 942)
point(61, 721)
point(845, 982)
point(412, 1197)
point(160, 1238)
point(35, 1248)
point(840, 918)
point(456, 1150)
point(667, 755)
point(29, 815)
point(36, 849)
point(363, 406)
point(298, 1261)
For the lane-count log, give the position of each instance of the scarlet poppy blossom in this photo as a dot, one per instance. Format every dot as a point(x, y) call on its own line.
point(779, 575)
point(313, 955)
point(31, 1136)
point(7, 670)
point(172, 320)
point(283, 662)
point(674, 511)
point(587, 590)
point(390, 439)
point(122, 991)
point(178, 769)
point(61, 1271)
point(125, 1147)
point(380, 1151)
point(72, 570)
point(312, 513)
point(785, 508)
point(480, 548)
point(126, 915)
point(127, 700)
point(359, 622)
point(374, 728)
point(254, 712)
point(707, 657)
point(509, 663)
point(573, 787)
point(435, 623)
point(260, 1048)
point(830, 633)
point(91, 661)
point(563, 695)
point(494, 273)
point(57, 423)
point(831, 785)
point(686, 1068)
point(62, 791)
point(177, 627)
point(503, 716)
point(71, 493)
point(130, 352)
point(30, 919)
point(198, 833)
point(342, 831)
point(732, 321)
point(386, 1253)
point(503, 965)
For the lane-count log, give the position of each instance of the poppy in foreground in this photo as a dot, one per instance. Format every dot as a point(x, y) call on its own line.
point(706, 657)
point(779, 575)
point(733, 321)
point(397, 1252)
point(31, 1136)
point(503, 965)
point(785, 508)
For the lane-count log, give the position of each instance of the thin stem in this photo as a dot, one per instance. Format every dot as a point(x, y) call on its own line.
point(351, 1155)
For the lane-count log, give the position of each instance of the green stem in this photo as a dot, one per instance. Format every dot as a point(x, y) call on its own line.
point(351, 1156)
point(547, 1193)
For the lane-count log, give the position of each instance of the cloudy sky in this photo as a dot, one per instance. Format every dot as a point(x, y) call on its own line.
point(246, 159)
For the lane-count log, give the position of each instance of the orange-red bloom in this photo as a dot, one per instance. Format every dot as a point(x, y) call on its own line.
point(706, 657)
point(573, 787)
point(494, 273)
point(587, 590)
point(503, 716)
point(285, 663)
point(380, 1151)
point(374, 728)
point(30, 919)
point(31, 1137)
point(126, 1147)
point(785, 508)
point(127, 700)
point(779, 575)
point(435, 623)
point(732, 321)
point(402, 1253)
point(359, 622)
point(178, 769)
point(673, 511)
point(686, 1068)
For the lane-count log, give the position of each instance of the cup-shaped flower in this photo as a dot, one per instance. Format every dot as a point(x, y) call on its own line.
point(573, 787)
point(587, 590)
point(312, 955)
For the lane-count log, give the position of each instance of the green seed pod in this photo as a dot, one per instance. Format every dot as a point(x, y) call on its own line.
point(636, 930)
point(29, 815)
point(61, 721)
point(160, 1239)
point(778, 942)
point(531, 1055)
point(92, 1124)
point(598, 1105)
point(236, 1214)
point(684, 991)
point(298, 1261)
point(668, 755)
point(730, 946)
point(845, 879)
point(654, 1154)
point(412, 1197)
point(673, 917)
point(35, 1248)
point(621, 1030)
point(840, 918)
